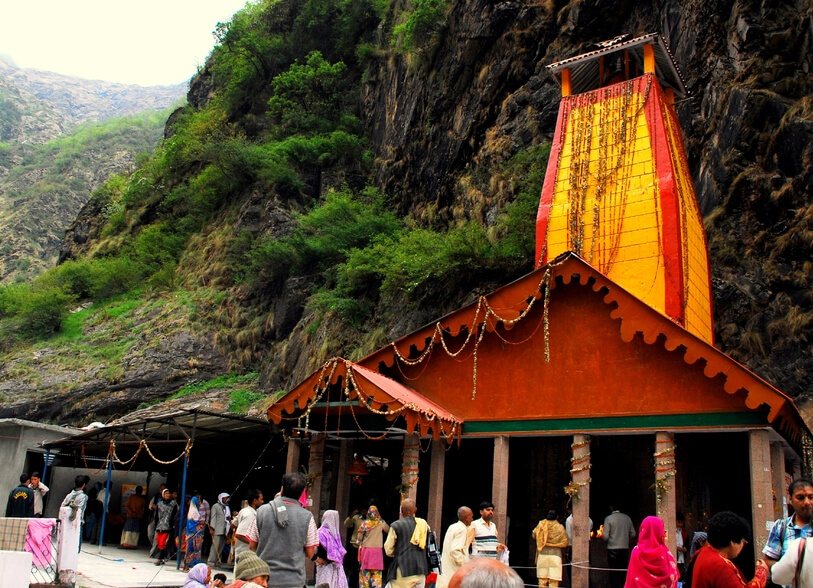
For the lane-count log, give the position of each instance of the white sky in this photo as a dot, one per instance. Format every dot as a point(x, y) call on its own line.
point(144, 42)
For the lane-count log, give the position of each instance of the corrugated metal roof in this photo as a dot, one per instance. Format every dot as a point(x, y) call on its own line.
point(584, 68)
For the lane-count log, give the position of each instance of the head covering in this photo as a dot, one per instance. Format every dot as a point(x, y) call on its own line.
point(698, 539)
point(651, 563)
point(196, 578)
point(249, 566)
point(192, 517)
point(225, 506)
point(372, 521)
point(330, 536)
point(551, 515)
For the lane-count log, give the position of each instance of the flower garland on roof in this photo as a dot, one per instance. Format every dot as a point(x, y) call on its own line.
point(483, 313)
point(353, 390)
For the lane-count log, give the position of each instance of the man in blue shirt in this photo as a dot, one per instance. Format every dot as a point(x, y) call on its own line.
point(795, 526)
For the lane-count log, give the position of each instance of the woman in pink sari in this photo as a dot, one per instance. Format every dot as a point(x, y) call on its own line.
point(651, 563)
point(371, 550)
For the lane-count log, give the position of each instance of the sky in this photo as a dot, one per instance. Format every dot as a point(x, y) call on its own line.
point(144, 42)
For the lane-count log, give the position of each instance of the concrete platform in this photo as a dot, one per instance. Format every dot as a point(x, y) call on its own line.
point(127, 568)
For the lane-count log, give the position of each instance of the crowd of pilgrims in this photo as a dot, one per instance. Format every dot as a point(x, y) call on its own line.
point(705, 561)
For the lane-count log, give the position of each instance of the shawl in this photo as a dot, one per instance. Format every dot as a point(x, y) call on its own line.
point(549, 534)
point(651, 563)
point(330, 536)
point(419, 534)
point(372, 521)
point(196, 578)
point(193, 517)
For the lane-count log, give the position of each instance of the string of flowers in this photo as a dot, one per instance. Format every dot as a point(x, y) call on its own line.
point(664, 468)
point(580, 463)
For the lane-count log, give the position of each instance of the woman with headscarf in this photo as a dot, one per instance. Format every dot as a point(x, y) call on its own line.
point(198, 577)
point(652, 565)
point(551, 538)
point(371, 549)
point(330, 552)
point(195, 526)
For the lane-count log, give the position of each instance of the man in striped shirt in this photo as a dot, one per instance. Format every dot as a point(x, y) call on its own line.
point(483, 535)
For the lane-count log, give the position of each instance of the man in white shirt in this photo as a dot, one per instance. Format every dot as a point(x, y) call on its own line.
point(244, 518)
point(455, 546)
point(40, 490)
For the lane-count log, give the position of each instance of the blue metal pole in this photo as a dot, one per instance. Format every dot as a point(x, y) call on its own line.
point(45, 464)
point(106, 500)
point(181, 522)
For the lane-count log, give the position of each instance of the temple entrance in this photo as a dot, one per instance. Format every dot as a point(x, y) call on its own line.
point(539, 469)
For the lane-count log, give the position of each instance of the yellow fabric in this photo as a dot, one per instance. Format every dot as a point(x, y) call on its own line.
point(419, 534)
point(550, 534)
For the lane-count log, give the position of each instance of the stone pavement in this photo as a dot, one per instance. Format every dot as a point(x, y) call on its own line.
point(126, 568)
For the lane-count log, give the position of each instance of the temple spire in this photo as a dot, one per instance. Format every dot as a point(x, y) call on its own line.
point(617, 191)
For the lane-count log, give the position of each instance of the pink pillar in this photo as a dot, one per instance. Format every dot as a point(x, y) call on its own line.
point(665, 471)
point(499, 487)
point(759, 446)
point(435, 507)
point(409, 466)
point(316, 462)
point(580, 488)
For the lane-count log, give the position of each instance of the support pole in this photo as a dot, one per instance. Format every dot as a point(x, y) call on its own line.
point(106, 499)
point(665, 471)
point(499, 487)
point(434, 509)
point(316, 466)
point(780, 490)
point(182, 523)
point(45, 463)
point(344, 482)
point(759, 448)
point(292, 458)
point(409, 466)
point(580, 483)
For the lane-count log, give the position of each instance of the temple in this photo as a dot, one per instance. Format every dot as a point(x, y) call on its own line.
point(591, 381)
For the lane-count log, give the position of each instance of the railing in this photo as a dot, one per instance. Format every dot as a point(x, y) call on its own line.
point(39, 538)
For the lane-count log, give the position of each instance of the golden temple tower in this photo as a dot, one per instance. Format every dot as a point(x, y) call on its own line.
point(617, 190)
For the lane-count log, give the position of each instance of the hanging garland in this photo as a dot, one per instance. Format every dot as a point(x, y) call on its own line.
point(664, 469)
point(578, 464)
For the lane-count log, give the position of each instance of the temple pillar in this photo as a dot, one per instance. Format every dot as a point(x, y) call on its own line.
point(292, 459)
point(344, 482)
point(665, 501)
point(780, 490)
point(434, 509)
point(759, 449)
point(797, 470)
point(499, 486)
point(316, 463)
point(409, 466)
point(579, 491)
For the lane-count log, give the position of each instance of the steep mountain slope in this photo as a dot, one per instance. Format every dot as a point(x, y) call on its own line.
point(50, 164)
point(263, 231)
point(80, 100)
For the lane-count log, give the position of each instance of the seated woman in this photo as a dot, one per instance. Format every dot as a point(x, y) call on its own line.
point(712, 564)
